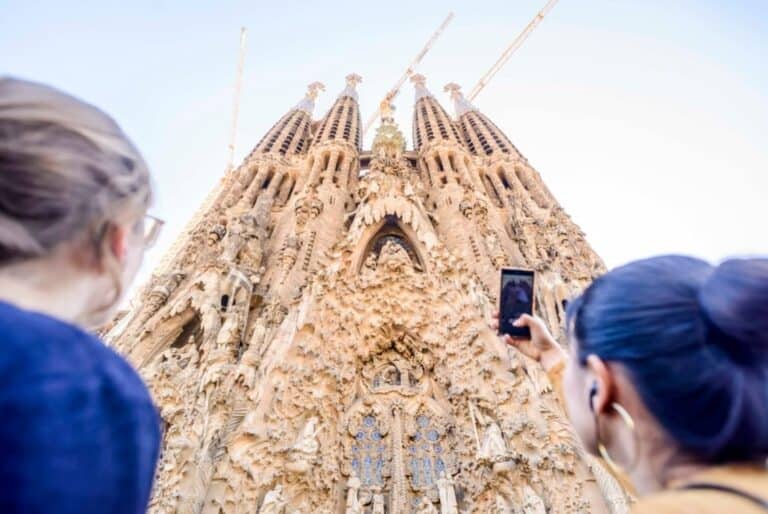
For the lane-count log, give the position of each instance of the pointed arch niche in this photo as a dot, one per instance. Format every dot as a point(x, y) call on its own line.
point(389, 229)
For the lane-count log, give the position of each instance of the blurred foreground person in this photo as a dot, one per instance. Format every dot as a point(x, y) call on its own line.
point(79, 433)
point(667, 380)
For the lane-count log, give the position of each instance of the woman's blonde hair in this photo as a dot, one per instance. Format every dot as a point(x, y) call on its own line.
point(66, 170)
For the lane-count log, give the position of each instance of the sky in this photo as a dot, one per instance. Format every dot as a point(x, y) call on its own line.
point(647, 119)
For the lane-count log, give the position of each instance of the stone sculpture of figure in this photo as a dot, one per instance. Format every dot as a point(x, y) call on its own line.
point(235, 239)
point(252, 253)
point(495, 251)
point(466, 206)
point(493, 447)
point(354, 505)
point(315, 206)
point(229, 333)
point(378, 503)
point(215, 234)
point(481, 213)
point(289, 254)
point(301, 211)
point(159, 294)
point(188, 358)
point(274, 501)
point(426, 507)
point(210, 321)
point(532, 504)
point(245, 372)
point(308, 207)
point(394, 257)
point(447, 494)
point(306, 442)
point(370, 261)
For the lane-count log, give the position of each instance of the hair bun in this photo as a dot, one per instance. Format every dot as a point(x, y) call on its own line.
point(735, 302)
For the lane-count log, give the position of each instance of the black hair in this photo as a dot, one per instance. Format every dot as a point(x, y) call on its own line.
point(694, 339)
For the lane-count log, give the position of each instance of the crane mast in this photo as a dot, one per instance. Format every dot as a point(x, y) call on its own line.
point(408, 71)
point(236, 101)
point(517, 43)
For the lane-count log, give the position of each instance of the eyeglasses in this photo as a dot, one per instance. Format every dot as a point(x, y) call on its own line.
point(151, 228)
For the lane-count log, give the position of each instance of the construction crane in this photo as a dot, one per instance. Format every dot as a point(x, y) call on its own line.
point(408, 72)
point(517, 43)
point(236, 101)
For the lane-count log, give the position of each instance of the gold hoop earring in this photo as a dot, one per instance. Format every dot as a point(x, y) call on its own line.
point(627, 419)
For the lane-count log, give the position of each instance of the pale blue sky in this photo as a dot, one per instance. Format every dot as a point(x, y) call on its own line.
point(647, 118)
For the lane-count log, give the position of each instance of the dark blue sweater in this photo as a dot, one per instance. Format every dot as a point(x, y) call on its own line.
point(78, 431)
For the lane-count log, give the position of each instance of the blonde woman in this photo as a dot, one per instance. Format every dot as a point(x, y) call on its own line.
point(79, 433)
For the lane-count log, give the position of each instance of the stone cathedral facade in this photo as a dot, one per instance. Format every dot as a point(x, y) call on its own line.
point(317, 340)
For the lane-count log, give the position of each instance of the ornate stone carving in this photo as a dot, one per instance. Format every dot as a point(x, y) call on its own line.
point(378, 504)
point(335, 355)
point(308, 207)
point(426, 507)
point(304, 450)
point(354, 505)
point(532, 503)
point(274, 502)
point(447, 494)
point(493, 448)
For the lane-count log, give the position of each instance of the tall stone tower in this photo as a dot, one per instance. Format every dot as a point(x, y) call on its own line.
point(317, 340)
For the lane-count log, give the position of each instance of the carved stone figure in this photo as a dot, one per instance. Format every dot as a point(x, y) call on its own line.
point(251, 254)
point(159, 294)
point(308, 207)
point(306, 442)
point(274, 502)
point(216, 234)
point(495, 251)
point(234, 239)
point(426, 506)
point(447, 494)
point(394, 257)
point(493, 447)
point(467, 206)
point(378, 504)
point(354, 505)
point(229, 333)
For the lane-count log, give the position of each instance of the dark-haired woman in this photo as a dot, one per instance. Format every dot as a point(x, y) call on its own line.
point(79, 433)
point(667, 380)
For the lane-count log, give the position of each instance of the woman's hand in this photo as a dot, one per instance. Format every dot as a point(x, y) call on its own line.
point(541, 346)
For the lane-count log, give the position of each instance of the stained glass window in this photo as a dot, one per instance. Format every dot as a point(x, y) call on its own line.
point(425, 453)
point(368, 452)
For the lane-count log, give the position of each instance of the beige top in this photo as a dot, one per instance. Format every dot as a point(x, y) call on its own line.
point(676, 500)
point(749, 479)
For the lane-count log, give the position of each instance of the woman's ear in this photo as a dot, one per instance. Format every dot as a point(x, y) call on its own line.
point(116, 238)
point(601, 387)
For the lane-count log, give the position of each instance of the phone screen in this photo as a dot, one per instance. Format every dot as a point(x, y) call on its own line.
point(515, 299)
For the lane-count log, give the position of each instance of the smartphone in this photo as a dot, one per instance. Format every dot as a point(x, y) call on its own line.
point(515, 299)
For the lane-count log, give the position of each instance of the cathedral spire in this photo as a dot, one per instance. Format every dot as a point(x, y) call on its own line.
point(420, 84)
point(430, 121)
point(342, 123)
point(479, 133)
point(353, 79)
point(307, 104)
point(460, 104)
point(290, 135)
